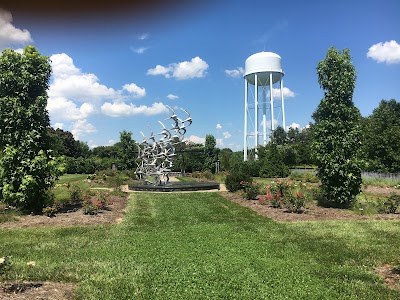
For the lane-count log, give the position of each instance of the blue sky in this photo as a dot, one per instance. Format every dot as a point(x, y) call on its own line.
point(118, 73)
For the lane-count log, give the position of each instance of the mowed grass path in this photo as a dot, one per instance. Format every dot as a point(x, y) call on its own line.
point(201, 246)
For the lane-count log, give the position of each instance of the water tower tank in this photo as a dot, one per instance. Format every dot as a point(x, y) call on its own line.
point(263, 64)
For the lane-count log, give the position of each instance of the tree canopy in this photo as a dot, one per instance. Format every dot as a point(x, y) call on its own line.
point(27, 167)
point(381, 142)
point(337, 135)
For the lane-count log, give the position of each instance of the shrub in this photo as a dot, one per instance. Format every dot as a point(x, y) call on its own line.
point(296, 202)
point(391, 204)
point(273, 165)
point(76, 194)
point(232, 181)
point(250, 189)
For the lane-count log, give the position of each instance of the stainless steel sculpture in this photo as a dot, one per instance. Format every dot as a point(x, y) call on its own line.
point(156, 155)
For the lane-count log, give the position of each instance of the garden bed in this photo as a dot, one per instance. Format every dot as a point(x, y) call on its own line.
point(312, 212)
point(73, 216)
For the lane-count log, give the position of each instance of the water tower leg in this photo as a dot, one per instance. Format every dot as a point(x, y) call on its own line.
point(272, 102)
point(264, 96)
point(283, 106)
point(256, 116)
point(246, 111)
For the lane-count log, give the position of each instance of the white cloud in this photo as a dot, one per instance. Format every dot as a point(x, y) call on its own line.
point(287, 93)
point(61, 108)
point(293, 125)
point(139, 50)
point(388, 52)
point(82, 127)
point(160, 70)
point(58, 125)
point(268, 123)
point(111, 142)
point(172, 97)
point(226, 135)
point(19, 50)
point(144, 36)
point(121, 109)
point(197, 140)
point(71, 83)
point(9, 35)
point(196, 68)
point(218, 126)
point(219, 143)
point(235, 73)
point(134, 89)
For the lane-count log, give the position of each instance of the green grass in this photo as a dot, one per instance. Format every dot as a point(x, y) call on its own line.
point(201, 246)
point(71, 178)
point(382, 182)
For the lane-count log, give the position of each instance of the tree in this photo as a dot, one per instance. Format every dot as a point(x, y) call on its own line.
point(273, 164)
point(209, 153)
point(381, 138)
point(279, 136)
point(27, 168)
point(337, 135)
point(128, 152)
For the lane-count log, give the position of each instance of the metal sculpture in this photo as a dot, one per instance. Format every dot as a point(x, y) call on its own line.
point(156, 155)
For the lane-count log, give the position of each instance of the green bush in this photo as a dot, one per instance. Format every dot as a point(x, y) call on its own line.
point(250, 189)
point(232, 181)
point(390, 205)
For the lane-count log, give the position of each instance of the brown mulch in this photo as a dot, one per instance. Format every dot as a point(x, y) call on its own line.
point(37, 290)
point(312, 212)
point(73, 217)
point(390, 275)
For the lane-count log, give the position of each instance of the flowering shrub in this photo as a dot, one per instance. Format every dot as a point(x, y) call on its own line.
point(93, 206)
point(51, 211)
point(250, 189)
point(390, 205)
point(296, 202)
point(277, 200)
point(76, 193)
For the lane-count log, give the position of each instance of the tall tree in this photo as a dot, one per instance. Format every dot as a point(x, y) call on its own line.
point(337, 135)
point(27, 168)
point(209, 153)
point(128, 151)
point(381, 134)
point(279, 136)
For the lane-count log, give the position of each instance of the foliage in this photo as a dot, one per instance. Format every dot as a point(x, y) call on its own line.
point(304, 177)
point(390, 205)
point(200, 245)
point(5, 264)
point(250, 189)
point(128, 151)
point(381, 138)
point(273, 165)
point(232, 181)
point(284, 194)
point(279, 136)
point(337, 131)
point(209, 153)
point(64, 143)
point(28, 166)
point(76, 194)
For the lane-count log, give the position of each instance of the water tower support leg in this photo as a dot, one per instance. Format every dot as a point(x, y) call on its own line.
point(264, 96)
point(271, 91)
point(246, 111)
point(283, 106)
point(256, 116)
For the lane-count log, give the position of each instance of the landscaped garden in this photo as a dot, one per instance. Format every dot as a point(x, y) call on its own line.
point(200, 245)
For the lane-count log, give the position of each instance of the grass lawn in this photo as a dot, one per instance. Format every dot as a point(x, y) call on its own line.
point(201, 246)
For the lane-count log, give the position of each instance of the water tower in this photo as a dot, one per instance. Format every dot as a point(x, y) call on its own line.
point(262, 70)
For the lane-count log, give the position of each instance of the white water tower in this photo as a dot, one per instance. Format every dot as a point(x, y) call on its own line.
point(262, 70)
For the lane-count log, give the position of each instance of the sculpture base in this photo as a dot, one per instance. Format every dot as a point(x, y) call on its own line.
point(175, 187)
